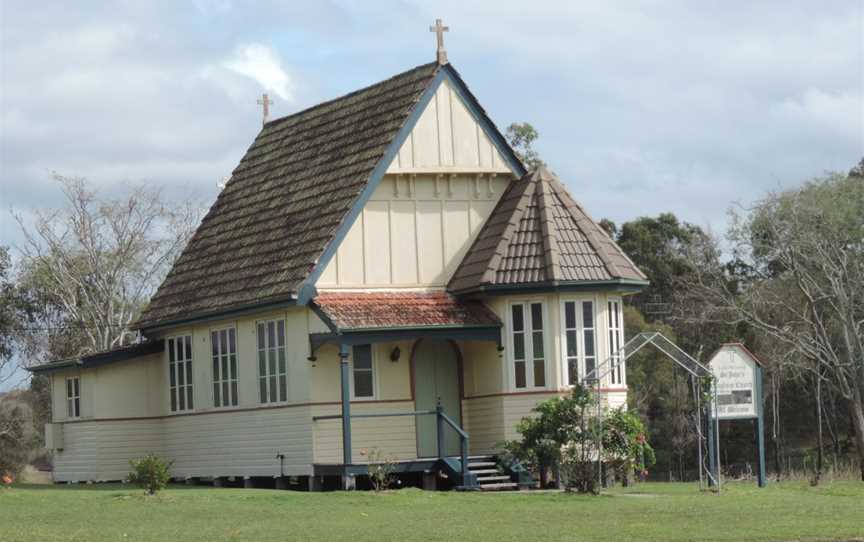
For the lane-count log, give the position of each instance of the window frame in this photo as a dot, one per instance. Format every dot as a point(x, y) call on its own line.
point(188, 386)
point(73, 396)
point(528, 332)
point(267, 377)
point(373, 370)
point(621, 380)
point(580, 329)
point(215, 352)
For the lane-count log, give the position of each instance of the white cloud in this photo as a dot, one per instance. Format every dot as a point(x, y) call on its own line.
point(261, 63)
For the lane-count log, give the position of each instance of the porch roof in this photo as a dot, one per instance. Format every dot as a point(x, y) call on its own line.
point(357, 317)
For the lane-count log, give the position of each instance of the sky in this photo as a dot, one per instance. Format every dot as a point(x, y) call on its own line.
point(642, 106)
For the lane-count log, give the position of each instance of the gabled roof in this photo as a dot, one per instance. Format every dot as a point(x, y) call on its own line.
point(352, 311)
point(293, 197)
point(538, 235)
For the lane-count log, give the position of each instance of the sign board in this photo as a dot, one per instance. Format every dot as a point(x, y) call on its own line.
point(734, 368)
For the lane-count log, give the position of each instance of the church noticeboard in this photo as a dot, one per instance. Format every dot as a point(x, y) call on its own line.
point(735, 371)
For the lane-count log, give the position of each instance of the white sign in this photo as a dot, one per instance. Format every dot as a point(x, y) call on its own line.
point(735, 370)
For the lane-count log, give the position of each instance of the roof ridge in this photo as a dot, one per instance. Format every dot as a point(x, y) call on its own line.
point(350, 94)
point(551, 252)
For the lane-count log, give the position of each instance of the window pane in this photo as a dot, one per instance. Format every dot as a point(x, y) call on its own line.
point(181, 375)
point(233, 367)
point(189, 397)
point(262, 363)
point(520, 374)
point(181, 404)
point(519, 346)
point(224, 373)
point(587, 314)
point(280, 333)
point(234, 393)
point(271, 334)
point(188, 342)
point(539, 373)
point(225, 395)
point(272, 388)
point(173, 394)
point(217, 396)
point(188, 373)
point(589, 366)
point(570, 315)
point(536, 316)
point(537, 344)
point(77, 407)
point(589, 342)
point(518, 323)
point(68, 388)
point(261, 345)
point(362, 356)
point(283, 388)
point(223, 342)
point(216, 369)
point(282, 368)
point(214, 343)
point(172, 368)
point(170, 350)
point(76, 387)
point(69, 407)
point(363, 383)
point(262, 389)
point(572, 346)
point(180, 349)
point(271, 354)
point(232, 337)
point(572, 371)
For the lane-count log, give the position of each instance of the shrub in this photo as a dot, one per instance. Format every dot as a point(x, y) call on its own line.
point(151, 472)
point(381, 469)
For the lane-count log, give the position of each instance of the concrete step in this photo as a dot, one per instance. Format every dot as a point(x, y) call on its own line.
point(492, 479)
point(499, 487)
point(481, 464)
point(480, 472)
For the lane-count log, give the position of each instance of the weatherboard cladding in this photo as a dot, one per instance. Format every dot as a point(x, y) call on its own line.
point(370, 310)
point(539, 234)
point(285, 201)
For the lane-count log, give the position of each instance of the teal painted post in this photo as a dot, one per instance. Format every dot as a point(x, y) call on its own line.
point(440, 428)
point(346, 404)
point(760, 426)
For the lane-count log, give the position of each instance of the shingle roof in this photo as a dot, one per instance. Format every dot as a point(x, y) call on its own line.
point(285, 201)
point(538, 234)
point(371, 310)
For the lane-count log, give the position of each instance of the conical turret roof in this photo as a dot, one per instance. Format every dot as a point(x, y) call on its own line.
point(539, 235)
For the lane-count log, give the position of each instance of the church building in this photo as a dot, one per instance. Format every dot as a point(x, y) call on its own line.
point(380, 272)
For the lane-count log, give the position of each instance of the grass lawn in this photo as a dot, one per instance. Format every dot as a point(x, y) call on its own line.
point(654, 511)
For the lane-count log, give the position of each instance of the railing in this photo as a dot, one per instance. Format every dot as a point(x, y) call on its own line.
point(441, 419)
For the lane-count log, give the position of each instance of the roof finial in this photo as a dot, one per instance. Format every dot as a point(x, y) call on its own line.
point(439, 29)
point(265, 101)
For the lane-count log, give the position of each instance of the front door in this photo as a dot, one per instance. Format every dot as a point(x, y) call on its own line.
point(436, 375)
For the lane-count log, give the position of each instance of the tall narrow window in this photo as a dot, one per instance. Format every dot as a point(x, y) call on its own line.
point(180, 372)
point(224, 346)
point(529, 346)
point(364, 377)
point(579, 339)
point(272, 364)
point(616, 339)
point(73, 397)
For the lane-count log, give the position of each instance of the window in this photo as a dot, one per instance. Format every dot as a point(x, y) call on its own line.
point(580, 349)
point(224, 345)
point(363, 372)
point(529, 356)
point(180, 372)
point(272, 364)
point(73, 397)
point(616, 339)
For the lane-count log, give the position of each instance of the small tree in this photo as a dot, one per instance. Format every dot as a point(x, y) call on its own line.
point(151, 472)
point(521, 136)
point(381, 469)
point(18, 437)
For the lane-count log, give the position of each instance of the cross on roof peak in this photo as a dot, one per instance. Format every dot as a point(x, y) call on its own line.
point(439, 29)
point(265, 101)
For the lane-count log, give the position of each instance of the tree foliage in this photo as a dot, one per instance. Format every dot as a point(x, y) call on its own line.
point(18, 436)
point(521, 136)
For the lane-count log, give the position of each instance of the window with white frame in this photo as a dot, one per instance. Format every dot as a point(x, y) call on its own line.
point(579, 338)
point(73, 397)
point(272, 362)
point(528, 345)
point(223, 343)
point(180, 372)
point(616, 339)
point(363, 371)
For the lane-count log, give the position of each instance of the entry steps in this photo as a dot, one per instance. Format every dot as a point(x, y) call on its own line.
point(489, 475)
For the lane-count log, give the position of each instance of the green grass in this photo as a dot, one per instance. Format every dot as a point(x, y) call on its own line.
point(788, 511)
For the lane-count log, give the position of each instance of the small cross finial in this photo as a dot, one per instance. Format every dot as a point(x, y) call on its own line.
point(265, 101)
point(439, 29)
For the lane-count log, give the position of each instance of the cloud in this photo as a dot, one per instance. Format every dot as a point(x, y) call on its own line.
point(261, 63)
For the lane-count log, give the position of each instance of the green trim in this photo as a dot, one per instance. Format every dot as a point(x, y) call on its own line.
point(618, 285)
